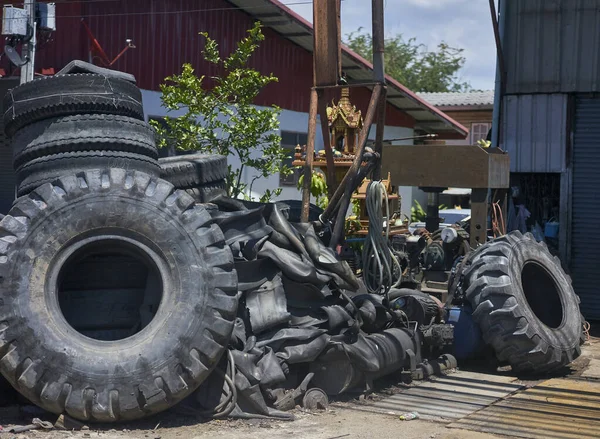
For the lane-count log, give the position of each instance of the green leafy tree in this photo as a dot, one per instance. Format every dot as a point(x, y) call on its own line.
point(413, 65)
point(219, 116)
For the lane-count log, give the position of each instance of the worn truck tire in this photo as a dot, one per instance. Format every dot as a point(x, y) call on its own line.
point(63, 95)
point(47, 169)
point(190, 170)
point(83, 133)
point(524, 303)
point(110, 212)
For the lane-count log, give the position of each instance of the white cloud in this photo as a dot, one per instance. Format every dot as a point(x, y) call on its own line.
point(460, 23)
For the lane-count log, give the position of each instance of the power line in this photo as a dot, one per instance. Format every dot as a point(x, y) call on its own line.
point(189, 11)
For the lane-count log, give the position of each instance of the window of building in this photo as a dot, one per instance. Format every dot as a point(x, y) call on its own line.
point(289, 140)
point(479, 131)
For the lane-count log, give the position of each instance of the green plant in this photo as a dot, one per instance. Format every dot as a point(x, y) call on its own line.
point(219, 116)
point(418, 214)
point(484, 143)
point(318, 188)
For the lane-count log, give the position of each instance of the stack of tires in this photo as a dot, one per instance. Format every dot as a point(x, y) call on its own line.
point(70, 123)
point(117, 291)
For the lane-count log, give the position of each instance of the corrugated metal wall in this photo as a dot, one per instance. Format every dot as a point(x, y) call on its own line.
point(534, 132)
point(165, 33)
point(585, 199)
point(551, 46)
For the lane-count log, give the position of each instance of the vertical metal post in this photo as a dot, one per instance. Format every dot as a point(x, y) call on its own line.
point(331, 178)
point(28, 52)
point(310, 154)
point(479, 211)
point(379, 133)
point(379, 76)
point(378, 41)
point(372, 110)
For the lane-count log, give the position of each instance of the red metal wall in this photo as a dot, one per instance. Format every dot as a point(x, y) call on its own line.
point(166, 38)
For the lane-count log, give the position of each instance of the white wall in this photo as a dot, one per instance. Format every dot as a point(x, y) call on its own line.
point(295, 122)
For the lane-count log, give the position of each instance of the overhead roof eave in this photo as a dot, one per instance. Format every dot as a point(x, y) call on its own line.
point(292, 26)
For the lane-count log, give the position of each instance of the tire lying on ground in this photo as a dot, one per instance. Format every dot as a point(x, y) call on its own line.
point(63, 95)
point(47, 169)
point(201, 175)
point(149, 354)
point(83, 133)
point(190, 170)
point(524, 303)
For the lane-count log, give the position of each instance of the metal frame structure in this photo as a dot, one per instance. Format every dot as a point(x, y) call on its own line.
point(327, 69)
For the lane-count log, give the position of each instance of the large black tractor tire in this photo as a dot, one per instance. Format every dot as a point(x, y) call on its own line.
point(83, 132)
point(524, 304)
point(105, 213)
point(47, 169)
point(63, 95)
point(190, 170)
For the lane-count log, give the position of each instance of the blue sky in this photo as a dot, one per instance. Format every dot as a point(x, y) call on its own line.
point(460, 23)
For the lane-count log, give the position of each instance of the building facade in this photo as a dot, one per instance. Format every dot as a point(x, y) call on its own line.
point(165, 33)
point(472, 110)
point(550, 125)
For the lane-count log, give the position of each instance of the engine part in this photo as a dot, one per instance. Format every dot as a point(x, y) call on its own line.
point(287, 401)
point(427, 368)
point(52, 355)
point(315, 399)
point(449, 235)
point(524, 303)
point(466, 332)
point(335, 374)
point(63, 95)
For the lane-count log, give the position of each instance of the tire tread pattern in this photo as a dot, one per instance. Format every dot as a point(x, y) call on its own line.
point(165, 387)
point(498, 311)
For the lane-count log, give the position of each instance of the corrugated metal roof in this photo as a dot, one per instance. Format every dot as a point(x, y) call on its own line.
point(448, 397)
point(557, 408)
point(470, 99)
point(283, 20)
point(552, 46)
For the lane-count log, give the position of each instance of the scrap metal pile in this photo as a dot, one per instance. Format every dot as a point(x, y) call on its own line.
point(123, 293)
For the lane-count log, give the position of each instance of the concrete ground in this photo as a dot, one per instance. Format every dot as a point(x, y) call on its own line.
point(342, 420)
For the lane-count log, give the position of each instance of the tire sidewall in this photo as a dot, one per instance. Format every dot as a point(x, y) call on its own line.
point(568, 333)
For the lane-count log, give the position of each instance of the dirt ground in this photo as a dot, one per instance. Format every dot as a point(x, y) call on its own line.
point(342, 420)
point(336, 423)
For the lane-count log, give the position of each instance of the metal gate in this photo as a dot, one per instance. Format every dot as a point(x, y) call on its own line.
point(585, 199)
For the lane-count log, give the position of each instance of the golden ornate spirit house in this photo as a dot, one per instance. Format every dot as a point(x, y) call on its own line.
point(345, 124)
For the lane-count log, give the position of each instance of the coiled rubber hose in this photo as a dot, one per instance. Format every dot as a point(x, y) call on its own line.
point(381, 268)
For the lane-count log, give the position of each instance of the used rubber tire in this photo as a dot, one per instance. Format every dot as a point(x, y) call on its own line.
point(524, 304)
point(62, 371)
point(83, 132)
point(47, 169)
point(190, 170)
point(63, 95)
point(206, 193)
